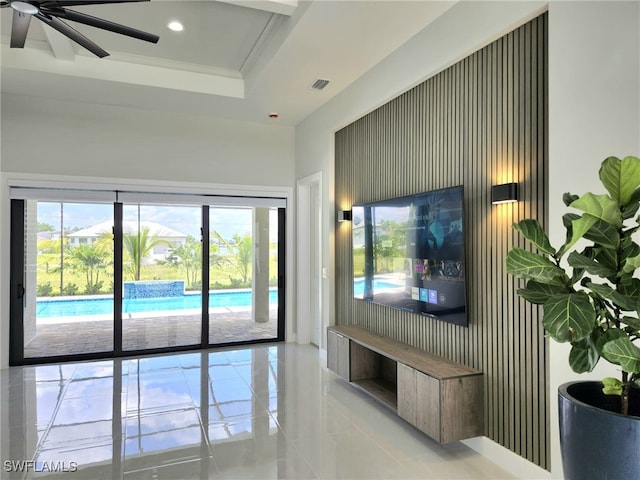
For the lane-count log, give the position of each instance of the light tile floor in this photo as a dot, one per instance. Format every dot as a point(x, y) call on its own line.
point(268, 411)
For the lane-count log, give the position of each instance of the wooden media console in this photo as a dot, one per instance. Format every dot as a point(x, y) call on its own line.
point(442, 398)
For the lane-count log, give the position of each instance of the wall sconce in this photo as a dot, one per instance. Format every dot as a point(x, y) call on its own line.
point(505, 193)
point(344, 215)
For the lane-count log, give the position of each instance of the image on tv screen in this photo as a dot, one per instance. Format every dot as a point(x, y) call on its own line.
point(408, 253)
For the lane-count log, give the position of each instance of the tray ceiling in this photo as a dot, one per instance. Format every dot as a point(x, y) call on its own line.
point(235, 59)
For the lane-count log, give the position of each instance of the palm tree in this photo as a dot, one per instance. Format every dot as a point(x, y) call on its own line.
point(188, 257)
point(241, 255)
point(90, 259)
point(138, 246)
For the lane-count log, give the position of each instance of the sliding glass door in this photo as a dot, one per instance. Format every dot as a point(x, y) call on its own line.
point(243, 273)
point(161, 266)
point(67, 292)
point(93, 279)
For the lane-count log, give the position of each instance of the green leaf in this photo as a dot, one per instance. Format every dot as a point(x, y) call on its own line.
point(569, 317)
point(625, 302)
point(631, 264)
point(611, 386)
point(620, 177)
point(606, 256)
point(579, 227)
point(583, 356)
point(532, 231)
point(632, 322)
point(629, 211)
point(569, 198)
point(567, 221)
point(631, 289)
point(631, 248)
point(629, 232)
point(568, 218)
point(578, 260)
point(600, 337)
point(631, 208)
point(603, 234)
point(635, 197)
point(538, 293)
point(529, 265)
point(623, 352)
point(601, 207)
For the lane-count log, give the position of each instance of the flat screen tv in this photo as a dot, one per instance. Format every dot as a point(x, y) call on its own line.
point(408, 253)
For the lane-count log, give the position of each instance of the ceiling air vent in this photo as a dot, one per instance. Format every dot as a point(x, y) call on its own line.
point(320, 84)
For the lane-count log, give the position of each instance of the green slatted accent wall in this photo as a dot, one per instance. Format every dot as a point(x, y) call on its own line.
point(481, 122)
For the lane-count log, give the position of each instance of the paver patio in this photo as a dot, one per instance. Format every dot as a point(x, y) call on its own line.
point(143, 332)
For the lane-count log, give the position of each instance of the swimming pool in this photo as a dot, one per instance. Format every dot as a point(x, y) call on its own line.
point(71, 307)
point(379, 285)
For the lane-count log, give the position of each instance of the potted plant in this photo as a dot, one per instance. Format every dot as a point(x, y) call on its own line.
point(590, 296)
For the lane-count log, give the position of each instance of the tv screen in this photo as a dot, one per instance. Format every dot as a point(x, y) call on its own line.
point(408, 253)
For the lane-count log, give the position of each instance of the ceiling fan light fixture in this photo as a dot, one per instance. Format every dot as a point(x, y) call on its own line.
point(54, 13)
point(175, 26)
point(24, 7)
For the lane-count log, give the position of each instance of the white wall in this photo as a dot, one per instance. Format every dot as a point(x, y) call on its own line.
point(66, 138)
point(49, 141)
point(593, 113)
point(4, 325)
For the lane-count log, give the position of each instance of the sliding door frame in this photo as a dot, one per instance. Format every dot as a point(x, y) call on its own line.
point(118, 233)
point(282, 272)
point(17, 279)
point(204, 289)
point(16, 284)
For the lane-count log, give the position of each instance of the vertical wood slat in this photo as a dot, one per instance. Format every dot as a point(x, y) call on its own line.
point(480, 122)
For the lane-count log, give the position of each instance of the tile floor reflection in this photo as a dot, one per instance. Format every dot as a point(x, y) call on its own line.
point(268, 411)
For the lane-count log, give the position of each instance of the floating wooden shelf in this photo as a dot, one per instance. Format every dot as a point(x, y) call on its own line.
point(442, 398)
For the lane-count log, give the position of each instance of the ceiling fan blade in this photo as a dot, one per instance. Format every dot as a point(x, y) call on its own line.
point(73, 34)
point(100, 23)
point(78, 3)
point(19, 29)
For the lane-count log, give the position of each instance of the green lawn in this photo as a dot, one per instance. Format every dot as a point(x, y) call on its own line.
point(74, 282)
point(358, 262)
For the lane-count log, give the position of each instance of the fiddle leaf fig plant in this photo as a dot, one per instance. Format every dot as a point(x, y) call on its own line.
point(588, 288)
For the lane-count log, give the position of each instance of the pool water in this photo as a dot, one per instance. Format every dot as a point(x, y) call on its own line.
point(378, 285)
point(69, 307)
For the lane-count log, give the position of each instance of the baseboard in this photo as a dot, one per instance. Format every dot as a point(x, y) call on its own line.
point(508, 460)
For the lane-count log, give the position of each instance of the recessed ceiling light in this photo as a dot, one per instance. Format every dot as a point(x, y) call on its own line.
point(175, 26)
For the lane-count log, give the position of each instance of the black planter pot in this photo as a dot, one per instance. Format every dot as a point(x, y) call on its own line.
point(596, 441)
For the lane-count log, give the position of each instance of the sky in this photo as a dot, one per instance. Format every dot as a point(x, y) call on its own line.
point(184, 219)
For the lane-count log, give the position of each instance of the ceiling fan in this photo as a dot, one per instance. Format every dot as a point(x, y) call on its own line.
point(51, 12)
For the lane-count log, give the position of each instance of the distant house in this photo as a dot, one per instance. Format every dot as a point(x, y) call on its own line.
point(87, 236)
point(48, 236)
